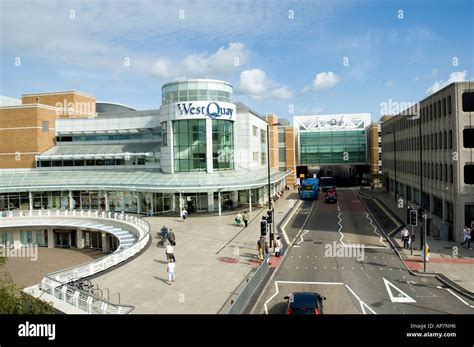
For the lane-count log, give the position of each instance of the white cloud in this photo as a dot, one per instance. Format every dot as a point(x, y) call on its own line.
point(457, 76)
point(325, 80)
point(255, 84)
point(222, 62)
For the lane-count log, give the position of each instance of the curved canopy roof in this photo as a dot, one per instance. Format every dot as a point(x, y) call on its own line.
point(156, 181)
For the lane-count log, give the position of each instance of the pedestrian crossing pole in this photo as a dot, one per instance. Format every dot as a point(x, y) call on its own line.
point(424, 242)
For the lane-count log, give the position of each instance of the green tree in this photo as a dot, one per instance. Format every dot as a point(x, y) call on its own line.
point(14, 301)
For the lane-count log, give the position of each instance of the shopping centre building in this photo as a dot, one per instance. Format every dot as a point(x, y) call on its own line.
point(199, 150)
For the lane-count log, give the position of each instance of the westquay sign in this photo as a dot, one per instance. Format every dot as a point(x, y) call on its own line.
point(200, 109)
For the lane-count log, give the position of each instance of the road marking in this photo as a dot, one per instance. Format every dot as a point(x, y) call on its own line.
point(288, 219)
point(460, 299)
point(402, 297)
point(301, 236)
point(375, 231)
point(363, 305)
point(304, 223)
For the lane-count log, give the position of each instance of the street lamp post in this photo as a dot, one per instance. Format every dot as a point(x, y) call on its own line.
point(270, 243)
point(420, 149)
point(394, 161)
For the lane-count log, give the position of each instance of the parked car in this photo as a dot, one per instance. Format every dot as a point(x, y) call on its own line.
point(304, 303)
point(331, 196)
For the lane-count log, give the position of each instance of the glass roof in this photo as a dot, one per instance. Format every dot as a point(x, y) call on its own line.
point(40, 180)
point(102, 149)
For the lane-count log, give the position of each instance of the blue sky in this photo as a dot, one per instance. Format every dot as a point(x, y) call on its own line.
point(309, 57)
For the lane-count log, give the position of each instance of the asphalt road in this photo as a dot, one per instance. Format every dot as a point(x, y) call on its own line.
point(338, 253)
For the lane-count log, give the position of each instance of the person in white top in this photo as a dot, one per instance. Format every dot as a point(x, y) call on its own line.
point(171, 269)
point(278, 246)
point(169, 253)
point(184, 214)
point(405, 237)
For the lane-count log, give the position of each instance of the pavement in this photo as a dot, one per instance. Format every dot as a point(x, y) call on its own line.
point(445, 257)
point(213, 260)
point(29, 265)
point(337, 251)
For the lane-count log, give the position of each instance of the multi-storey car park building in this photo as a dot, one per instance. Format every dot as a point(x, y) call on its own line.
point(428, 158)
point(199, 150)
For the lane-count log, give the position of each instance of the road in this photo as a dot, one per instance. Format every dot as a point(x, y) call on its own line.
point(339, 253)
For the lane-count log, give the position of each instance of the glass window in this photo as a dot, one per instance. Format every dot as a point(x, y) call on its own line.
point(469, 174)
point(449, 104)
point(45, 126)
point(254, 130)
point(468, 138)
point(222, 144)
point(468, 102)
point(164, 133)
point(189, 145)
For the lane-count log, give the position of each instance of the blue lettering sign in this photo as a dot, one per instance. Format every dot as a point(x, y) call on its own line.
point(213, 110)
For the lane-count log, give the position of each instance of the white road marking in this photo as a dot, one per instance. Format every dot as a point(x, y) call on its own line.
point(375, 231)
point(288, 219)
point(363, 305)
point(460, 299)
point(301, 236)
point(402, 297)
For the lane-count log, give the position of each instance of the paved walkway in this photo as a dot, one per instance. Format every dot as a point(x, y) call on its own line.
point(29, 266)
point(213, 258)
point(446, 257)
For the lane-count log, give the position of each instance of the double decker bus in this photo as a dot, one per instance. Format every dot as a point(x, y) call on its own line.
point(309, 189)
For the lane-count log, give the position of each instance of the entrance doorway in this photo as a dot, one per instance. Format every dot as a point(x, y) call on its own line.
point(65, 238)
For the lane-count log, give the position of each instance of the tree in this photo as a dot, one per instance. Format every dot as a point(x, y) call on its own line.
point(14, 301)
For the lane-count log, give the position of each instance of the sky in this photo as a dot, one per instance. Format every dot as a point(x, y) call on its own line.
point(284, 57)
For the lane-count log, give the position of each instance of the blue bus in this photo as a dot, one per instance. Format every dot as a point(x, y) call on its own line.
point(327, 183)
point(309, 189)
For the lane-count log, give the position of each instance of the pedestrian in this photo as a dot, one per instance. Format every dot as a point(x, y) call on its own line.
point(238, 219)
point(278, 246)
point(184, 214)
point(372, 186)
point(426, 253)
point(467, 237)
point(405, 237)
point(170, 253)
point(171, 269)
point(260, 247)
point(172, 238)
point(245, 218)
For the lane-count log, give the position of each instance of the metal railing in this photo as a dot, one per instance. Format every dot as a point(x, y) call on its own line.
point(257, 277)
point(56, 283)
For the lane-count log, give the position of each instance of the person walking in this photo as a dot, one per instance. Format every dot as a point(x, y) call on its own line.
point(467, 237)
point(426, 253)
point(172, 238)
point(171, 269)
point(405, 237)
point(261, 247)
point(170, 253)
point(184, 214)
point(245, 218)
point(238, 219)
point(278, 246)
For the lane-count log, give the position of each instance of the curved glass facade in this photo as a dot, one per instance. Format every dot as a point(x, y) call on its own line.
point(194, 90)
point(222, 144)
point(189, 137)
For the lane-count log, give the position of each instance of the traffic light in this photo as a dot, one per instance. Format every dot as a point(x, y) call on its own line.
point(421, 212)
point(409, 209)
point(270, 216)
point(413, 217)
point(263, 227)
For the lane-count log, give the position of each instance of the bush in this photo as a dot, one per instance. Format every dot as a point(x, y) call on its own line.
point(14, 301)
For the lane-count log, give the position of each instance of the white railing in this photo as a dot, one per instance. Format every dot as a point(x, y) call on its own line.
point(56, 283)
